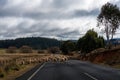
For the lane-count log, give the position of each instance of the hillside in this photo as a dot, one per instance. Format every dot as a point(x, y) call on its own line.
point(103, 56)
point(34, 42)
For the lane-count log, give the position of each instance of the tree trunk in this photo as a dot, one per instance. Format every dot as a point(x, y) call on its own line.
point(108, 41)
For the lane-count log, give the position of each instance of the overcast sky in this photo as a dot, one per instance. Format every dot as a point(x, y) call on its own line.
point(61, 19)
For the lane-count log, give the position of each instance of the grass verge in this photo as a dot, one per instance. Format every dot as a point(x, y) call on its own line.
point(14, 74)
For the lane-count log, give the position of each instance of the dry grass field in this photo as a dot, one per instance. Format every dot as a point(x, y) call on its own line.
point(18, 63)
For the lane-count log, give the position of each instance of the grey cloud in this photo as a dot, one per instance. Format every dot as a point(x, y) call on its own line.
point(69, 34)
point(10, 13)
point(80, 13)
point(61, 3)
point(3, 2)
point(60, 15)
point(64, 3)
point(38, 29)
point(58, 9)
point(53, 14)
point(50, 15)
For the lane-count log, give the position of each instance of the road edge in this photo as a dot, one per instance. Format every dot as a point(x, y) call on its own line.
point(36, 71)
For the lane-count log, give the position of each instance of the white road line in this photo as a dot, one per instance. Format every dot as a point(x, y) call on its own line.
point(36, 72)
point(90, 76)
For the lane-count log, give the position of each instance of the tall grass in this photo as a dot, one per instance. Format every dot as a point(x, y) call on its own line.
point(14, 62)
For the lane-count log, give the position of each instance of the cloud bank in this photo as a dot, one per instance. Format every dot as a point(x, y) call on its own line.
point(61, 19)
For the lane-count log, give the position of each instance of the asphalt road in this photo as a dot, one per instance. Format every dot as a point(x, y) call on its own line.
point(71, 70)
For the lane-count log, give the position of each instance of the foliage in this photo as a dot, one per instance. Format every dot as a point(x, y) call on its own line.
point(54, 50)
point(109, 17)
point(67, 46)
point(2, 73)
point(11, 50)
point(40, 51)
point(34, 42)
point(26, 49)
point(13, 67)
point(90, 41)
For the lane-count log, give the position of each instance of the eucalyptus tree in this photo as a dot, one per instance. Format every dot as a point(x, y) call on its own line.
point(109, 17)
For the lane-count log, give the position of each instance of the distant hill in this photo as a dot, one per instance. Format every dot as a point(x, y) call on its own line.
point(116, 41)
point(74, 40)
point(34, 42)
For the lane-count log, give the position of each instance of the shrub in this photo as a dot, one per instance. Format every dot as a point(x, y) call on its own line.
point(90, 41)
point(26, 49)
point(12, 66)
point(2, 73)
point(40, 51)
point(67, 47)
point(15, 67)
point(11, 50)
point(54, 50)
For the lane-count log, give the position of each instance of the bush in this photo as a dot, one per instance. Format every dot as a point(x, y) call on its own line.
point(11, 50)
point(40, 51)
point(90, 41)
point(54, 50)
point(26, 49)
point(2, 73)
point(13, 67)
point(67, 47)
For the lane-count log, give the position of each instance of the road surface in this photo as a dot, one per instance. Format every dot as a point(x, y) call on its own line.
point(71, 70)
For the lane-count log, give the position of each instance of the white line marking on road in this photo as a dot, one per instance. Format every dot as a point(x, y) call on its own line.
point(36, 72)
point(90, 76)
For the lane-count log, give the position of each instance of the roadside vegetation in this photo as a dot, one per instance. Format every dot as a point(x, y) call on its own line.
point(109, 18)
point(109, 21)
point(90, 41)
point(14, 60)
point(95, 48)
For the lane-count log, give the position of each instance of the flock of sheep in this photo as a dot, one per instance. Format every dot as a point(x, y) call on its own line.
point(29, 59)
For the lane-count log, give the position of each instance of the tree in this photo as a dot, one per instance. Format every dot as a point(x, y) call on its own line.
point(109, 17)
point(67, 46)
point(54, 50)
point(34, 42)
point(90, 41)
